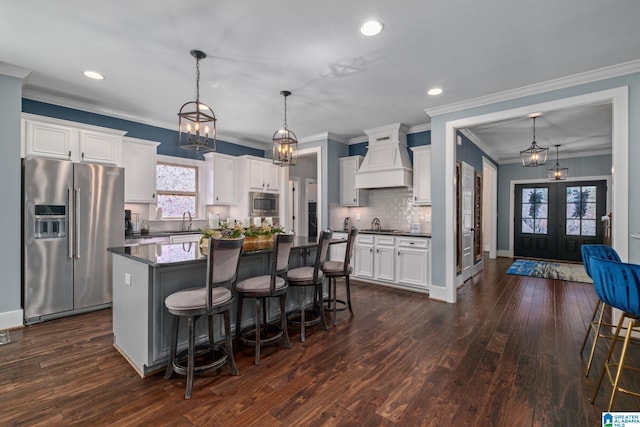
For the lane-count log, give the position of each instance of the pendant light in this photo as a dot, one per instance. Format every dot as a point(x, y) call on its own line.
point(557, 173)
point(534, 155)
point(285, 143)
point(196, 120)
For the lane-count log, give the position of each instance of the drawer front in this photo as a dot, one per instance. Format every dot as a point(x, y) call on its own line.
point(365, 238)
point(385, 240)
point(413, 243)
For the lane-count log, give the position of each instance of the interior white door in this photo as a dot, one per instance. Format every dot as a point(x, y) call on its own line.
point(467, 221)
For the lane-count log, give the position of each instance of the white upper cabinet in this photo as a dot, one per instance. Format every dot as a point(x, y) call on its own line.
point(422, 175)
point(139, 161)
point(78, 142)
point(264, 176)
point(349, 196)
point(220, 179)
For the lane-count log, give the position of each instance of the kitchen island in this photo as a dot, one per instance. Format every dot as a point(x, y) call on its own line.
point(144, 275)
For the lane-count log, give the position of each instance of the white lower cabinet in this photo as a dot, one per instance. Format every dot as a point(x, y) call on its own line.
point(395, 260)
point(338, 251)
point(363, 255)
point(413, 262)
point(384, 258)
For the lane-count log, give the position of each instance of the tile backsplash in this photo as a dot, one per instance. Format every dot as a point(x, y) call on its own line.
point(392, 206)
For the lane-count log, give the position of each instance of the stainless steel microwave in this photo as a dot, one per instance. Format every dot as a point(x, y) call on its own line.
point(263, 204)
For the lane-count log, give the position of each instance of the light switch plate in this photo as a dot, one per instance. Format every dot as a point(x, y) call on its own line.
point(127, 279)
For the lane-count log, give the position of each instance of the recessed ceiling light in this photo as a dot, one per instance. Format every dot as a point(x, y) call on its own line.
point(371, 28)
point(93, 75)
point(434, 91)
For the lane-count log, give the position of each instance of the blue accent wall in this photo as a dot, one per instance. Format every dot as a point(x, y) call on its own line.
point(469, 153)
point(168, 138)
point(413, 140)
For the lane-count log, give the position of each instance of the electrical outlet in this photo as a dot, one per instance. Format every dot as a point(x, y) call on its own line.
point(127, 279)
point(358, 216)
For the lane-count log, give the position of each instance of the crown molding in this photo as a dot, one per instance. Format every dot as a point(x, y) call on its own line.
point(323, 136)
point(475, 139)
point(560, 83)
point(410, 129)
point(551, 160)
point(83, 106)
point(14, 71)
point(419, 128)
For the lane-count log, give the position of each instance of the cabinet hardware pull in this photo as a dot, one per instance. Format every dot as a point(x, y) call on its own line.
point(83, 155)
point(153, 196)
point(69, 153)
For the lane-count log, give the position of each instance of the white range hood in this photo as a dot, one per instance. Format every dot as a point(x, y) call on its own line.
point(387, 162)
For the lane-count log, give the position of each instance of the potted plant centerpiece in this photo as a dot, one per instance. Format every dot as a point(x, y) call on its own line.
point(255, 238)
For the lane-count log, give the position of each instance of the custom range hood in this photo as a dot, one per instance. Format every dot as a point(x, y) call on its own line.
point(386, 163)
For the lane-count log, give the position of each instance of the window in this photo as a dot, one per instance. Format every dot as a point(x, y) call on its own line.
point(581, 211)
point(535, 204)
point(177, 189)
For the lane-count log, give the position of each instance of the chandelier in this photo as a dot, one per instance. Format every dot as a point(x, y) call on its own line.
point(285, 143)
point(534, 155)
point(557, 173)
point(196, 121)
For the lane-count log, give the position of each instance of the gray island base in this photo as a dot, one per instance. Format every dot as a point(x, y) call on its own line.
point(143, 276)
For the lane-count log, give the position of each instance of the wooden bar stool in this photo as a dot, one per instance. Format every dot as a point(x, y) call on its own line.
point(272, 285)
point(336, 269)
point(215, 298)
point(311, 277)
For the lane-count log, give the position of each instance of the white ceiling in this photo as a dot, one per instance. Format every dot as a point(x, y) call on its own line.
point(341, 81)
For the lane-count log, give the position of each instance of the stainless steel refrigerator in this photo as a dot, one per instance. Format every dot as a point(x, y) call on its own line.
point(72, 212)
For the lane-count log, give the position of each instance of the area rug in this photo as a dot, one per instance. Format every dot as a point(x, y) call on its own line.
point(550, 270)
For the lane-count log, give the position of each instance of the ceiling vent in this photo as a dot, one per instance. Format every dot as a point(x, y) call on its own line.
point(387, 162)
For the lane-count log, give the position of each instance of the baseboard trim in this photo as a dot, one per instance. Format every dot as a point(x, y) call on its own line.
point(505, 254)
point(11, 319)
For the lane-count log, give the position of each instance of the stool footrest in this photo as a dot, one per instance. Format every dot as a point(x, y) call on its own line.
point(312, 317)
point(269, 333)
point(217, 358)
point(341, 307)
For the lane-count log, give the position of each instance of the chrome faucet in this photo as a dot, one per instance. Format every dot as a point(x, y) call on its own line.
point(188, 228)
point(375, 224)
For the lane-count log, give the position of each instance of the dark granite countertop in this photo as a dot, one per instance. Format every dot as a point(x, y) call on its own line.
point(388, 233)
point(169, 254)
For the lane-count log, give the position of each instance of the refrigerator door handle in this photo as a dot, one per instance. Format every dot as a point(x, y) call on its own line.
point(71, 218)
point(76, 222)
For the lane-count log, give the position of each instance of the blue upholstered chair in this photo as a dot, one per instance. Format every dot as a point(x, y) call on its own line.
point(618, 285)
point(595, 325)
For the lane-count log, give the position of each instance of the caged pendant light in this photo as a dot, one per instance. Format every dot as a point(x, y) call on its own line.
point(285, 143)
point(557, 173)
point(534, 155)
point(196, 120)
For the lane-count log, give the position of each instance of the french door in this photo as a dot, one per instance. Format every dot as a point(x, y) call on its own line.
point(553, 220)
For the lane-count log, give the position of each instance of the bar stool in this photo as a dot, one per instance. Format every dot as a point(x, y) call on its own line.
point(263, 287)
point(311, 277)
point(595, 326)
point(335, 269)
point(215, 298)
point(618, 285)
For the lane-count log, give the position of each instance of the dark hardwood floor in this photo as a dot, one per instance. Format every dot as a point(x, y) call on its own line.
point(507, 354)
